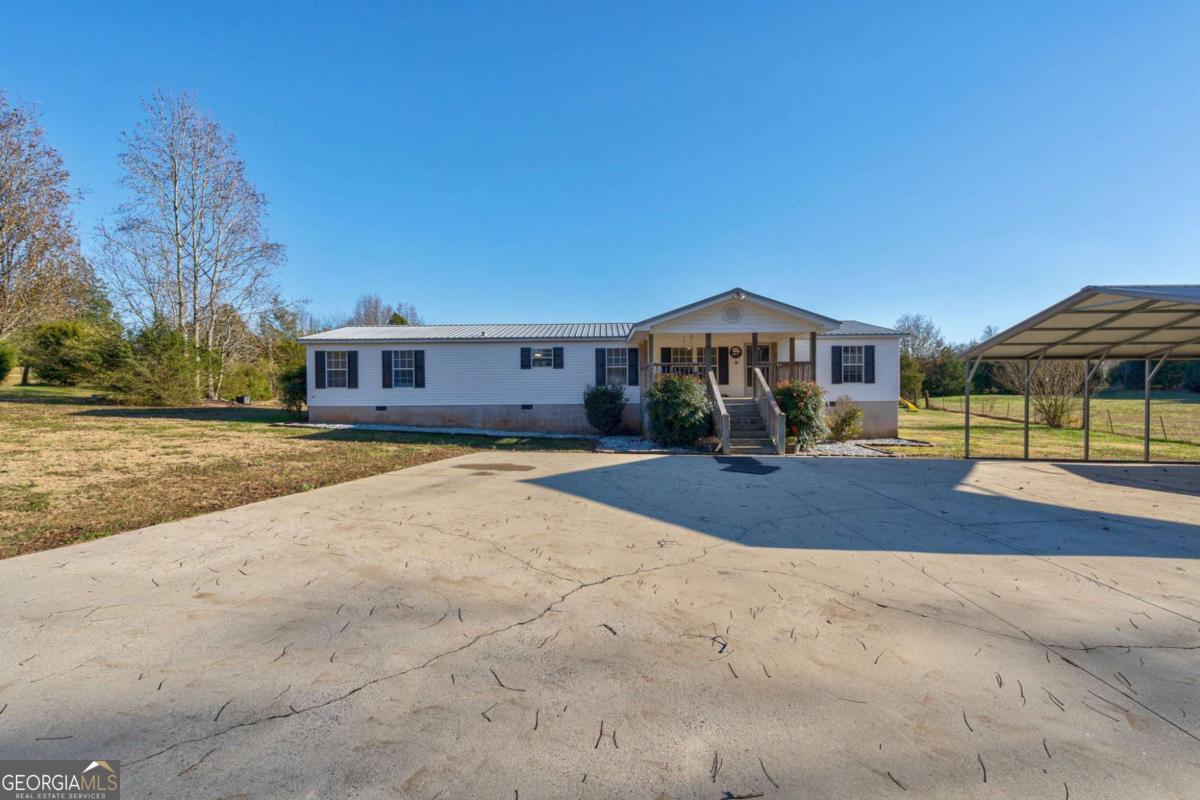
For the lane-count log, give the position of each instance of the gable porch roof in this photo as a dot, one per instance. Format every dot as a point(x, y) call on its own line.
point(820, 321)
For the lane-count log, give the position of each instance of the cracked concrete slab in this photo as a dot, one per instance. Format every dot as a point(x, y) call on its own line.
point(584, 625)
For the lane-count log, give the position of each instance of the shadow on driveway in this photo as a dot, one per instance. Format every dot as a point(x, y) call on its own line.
point(910, 505)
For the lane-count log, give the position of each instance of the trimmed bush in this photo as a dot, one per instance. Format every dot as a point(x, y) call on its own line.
point(803, 403)
point(8, 359)
point(679, 411)
point(845, 421)
point(293, 388)
point(604, 406)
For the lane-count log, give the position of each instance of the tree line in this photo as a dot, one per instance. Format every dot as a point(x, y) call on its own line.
point(931, 366)
point(180, 300)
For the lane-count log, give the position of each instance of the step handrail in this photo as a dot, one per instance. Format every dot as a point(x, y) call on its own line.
point(720, 413)
point(768, 409)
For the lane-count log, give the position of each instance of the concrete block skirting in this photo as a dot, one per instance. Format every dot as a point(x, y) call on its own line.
point(556, 418)
point(881, 418)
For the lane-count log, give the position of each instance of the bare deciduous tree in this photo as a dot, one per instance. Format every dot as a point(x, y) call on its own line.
point(371, 310)
point(1054, 390)
point(190, 246)
point(43, 275)
point(922, 338)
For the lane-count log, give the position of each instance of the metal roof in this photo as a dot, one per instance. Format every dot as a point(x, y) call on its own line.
point(533, 332)
point(852, 327)
point(454, 333)
point(1105, 322)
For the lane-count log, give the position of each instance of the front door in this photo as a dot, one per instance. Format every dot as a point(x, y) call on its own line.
point(734, 384)
point(762, 361)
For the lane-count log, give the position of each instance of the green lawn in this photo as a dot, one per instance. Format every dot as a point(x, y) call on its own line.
point(998, 438)
point(1174, 416)
point(72, 468)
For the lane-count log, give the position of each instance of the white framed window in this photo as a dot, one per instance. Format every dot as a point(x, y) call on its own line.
point(337, 369)
point(681, 355)
point(616, 363)
point(541, 357)
point(852, 363)
point(404, 368)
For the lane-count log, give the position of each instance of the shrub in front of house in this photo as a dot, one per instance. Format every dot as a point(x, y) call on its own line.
point(679, 411)
point(845, 420)
point(603, 405)
point(803, 403)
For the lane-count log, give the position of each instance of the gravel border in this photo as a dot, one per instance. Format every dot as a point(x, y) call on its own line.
point(865, 448)
point(636, 444)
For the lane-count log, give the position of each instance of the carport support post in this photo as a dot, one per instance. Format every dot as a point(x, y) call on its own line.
point(1089, 372)
point(968, 376)
point(967, 410)
point(1087, 408)
point(1146, 441)
point(1028, 376)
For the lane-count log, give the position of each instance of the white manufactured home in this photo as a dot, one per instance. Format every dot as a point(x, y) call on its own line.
point(532, 377)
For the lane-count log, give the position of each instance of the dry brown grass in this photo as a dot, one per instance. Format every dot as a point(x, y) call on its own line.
point(72, 469)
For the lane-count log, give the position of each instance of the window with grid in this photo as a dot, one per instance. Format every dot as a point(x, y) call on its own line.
point(336, 369)
point(616, 361)
point(404, 368)
point(852, 364)
point(681, 355)
point(542, 357)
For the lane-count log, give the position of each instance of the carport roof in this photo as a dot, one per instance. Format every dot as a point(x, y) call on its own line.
point(1105, 322)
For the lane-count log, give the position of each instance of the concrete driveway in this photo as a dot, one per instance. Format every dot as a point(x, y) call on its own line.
point(541, 625)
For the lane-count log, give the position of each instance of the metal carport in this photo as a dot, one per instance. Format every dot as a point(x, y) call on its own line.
point(1152, 323)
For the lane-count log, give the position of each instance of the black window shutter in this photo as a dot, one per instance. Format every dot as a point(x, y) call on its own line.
point(387, 369)
point(835, 368)
point(558, 358)
point(418, 369)
point(352, 369)
point(632, 379)
point(665, 352)
point(526, 358)
point(319, 357)
point(869, 364)
point(601, 367)
point(723, 365)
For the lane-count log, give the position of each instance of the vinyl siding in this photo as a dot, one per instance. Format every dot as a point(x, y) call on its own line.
point(887, 368)
point(474, 373)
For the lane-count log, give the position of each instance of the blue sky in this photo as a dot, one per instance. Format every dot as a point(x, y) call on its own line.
point(574, 161)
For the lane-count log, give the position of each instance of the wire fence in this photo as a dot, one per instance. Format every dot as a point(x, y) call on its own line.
point(1173, 420)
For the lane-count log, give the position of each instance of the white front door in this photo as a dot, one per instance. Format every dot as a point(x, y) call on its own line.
point(737, 373)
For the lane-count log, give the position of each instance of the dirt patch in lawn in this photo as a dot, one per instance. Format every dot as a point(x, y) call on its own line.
point(73, 469)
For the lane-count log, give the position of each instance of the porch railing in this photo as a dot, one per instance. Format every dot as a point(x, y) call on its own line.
point(788, 371)
point(779, 371)
point(769, 410)
point(697, 368)
point(720, 414)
